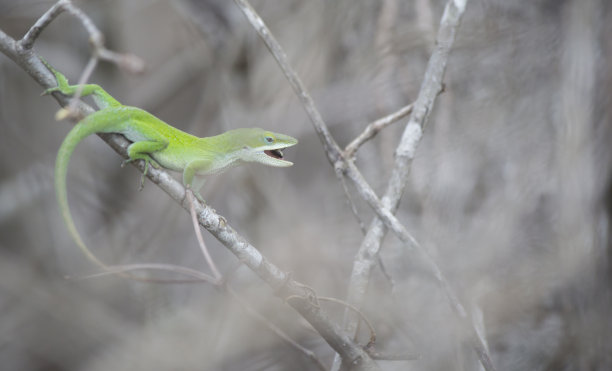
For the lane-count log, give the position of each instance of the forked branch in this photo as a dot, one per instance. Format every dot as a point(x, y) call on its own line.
point(412, 135)
point(373, 128)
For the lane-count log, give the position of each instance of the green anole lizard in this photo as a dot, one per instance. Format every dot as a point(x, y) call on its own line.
point(158, 143)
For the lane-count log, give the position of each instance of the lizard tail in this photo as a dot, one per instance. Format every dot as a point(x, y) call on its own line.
point(78, 133)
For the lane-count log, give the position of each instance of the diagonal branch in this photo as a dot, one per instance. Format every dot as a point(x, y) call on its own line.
point(330, 146)
point(280, 333)
point(220, 282)
point(27, 41)
point(366, 257)
point(431, 86)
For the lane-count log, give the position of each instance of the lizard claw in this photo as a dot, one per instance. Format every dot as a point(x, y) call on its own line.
point(142, 180)
point(144, 174)
point(49, 91)
point(199, 197)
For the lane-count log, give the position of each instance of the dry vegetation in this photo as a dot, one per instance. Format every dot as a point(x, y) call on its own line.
point(509, 192)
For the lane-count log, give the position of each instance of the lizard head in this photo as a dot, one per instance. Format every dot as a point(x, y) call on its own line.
point(258, 145)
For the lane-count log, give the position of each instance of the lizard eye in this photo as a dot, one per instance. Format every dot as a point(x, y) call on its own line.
point(269, 139)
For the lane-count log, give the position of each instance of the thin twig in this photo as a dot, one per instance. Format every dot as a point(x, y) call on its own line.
point(383, 269)
point(280, 333)
point(393, 356)
point(198, 232)
point(390, 221)
point(127, 62)
point(197, 276)
point(374, 127)
point(96, 38)
point(218, 281)
point(365, 319)
point(349, 199)
point(71, 111)
point(27, 41)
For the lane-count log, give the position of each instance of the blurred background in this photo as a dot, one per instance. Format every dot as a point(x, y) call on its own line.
point(510, 191)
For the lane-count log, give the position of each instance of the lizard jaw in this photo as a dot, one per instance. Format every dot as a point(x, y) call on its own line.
point(274, 156)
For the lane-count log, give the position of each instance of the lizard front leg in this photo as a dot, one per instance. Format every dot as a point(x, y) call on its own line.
point(101, 97)
point(142, 150)
point(193, 176)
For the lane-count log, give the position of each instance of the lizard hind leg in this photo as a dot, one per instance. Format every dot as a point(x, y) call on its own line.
point(141, 151)
point(197, 184)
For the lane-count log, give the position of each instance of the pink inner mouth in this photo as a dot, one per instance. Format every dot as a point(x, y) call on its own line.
point(275, 153)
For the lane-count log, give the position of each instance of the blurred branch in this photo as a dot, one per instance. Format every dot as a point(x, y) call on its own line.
point(370, 247)
point(373, 128)
point(430, 88)
point(128, 62)
point(219, 281)
point(361, 315)
point(255, 314)
point(339, 171)
point(393, 356)
point(207, 217)
point(196, 276)
point(365, 260)
point(27, 41)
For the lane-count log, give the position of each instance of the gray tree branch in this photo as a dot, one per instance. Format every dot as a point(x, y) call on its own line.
point(373, 128)
point(370, 247)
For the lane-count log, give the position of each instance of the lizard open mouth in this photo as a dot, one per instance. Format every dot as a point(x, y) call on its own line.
point(275, 153)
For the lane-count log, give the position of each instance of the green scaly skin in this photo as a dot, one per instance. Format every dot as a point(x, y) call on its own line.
point(156, 142)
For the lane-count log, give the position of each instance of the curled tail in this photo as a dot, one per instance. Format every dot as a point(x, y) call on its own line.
point(77, 134)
